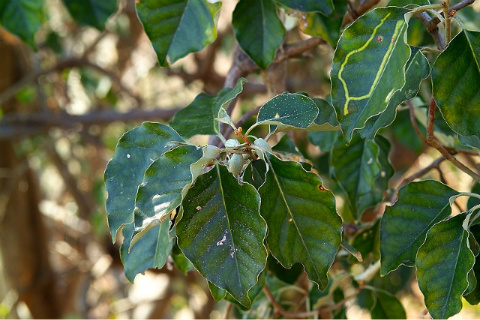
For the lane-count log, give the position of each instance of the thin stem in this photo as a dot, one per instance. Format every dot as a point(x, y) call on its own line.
point(227, 310)
point(421, 9)
point(414, 122)
point(448, 21)
point(434, 143)
point(278, 309)
point(434, 165)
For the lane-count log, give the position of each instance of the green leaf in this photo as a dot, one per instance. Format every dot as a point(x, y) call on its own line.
point(367, 241)
point(177, 28)
point(286, 145)
point(91, 12)
point(473, 297)
point(443, 263)
point(258, 30)
point(326, 114)
point(222, 232)
point(387, 306)
point(368, 67)
point(328, 27)
point(199, 116)
point(156, 198)
point(150, 251)
point(288, 110)
point(362, 170)
point(456, 83)
point(405, 224)
point(23, 18)
point(324, 6)
point(179, 259)
point(255, 173)
point(325, 140)
point(135, 152)
point(301, 217)
point(252, 294)
point(417, 69)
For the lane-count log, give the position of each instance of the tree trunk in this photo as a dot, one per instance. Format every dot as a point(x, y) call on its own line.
point(23, 241)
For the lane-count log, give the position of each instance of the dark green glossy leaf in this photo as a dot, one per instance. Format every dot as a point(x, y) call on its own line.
point(150, 251)
point(287, 275)
point(456, 83)
point(178, 27)
point(255, 173)
point(135, 152)
point(362, 170)
point(288, 110)
point(258, 30)
point(326, 113)
point(367, 241)
point(324, 6)
point(286, 145)
point(91, 12)
point(252, 294)
point(163, 185)
point(443, 263)
point(328, 27)
point(222, 232)
point(368, 67)
point(23, 18)
point(301, 217)
point(417, 69)
point(199, 116)
point(405, 224)
point(217, 293)
point(387, 306)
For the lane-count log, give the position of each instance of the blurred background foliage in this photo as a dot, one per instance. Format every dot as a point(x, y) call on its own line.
point(63, 109)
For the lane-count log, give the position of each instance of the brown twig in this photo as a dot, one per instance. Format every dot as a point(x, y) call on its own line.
point(227, 310)
point(65, 64)
point(432, 141)
point(414, 122)
point(18, 125)
point(434, 165)
point(279, 310)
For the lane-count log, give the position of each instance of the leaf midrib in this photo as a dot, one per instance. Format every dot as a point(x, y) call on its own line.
point(293, 219)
